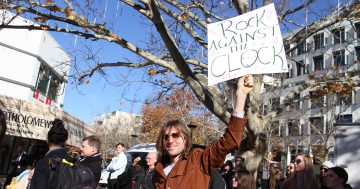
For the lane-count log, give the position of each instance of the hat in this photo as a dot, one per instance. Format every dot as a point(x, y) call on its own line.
point(328, 164)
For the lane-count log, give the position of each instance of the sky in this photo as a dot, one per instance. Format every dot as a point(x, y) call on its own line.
point(98, 97)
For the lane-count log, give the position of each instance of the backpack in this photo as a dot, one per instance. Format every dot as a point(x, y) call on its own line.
point(72, 175)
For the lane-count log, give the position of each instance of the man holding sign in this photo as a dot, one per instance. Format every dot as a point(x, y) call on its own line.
point(179, 166)
point(246, 44)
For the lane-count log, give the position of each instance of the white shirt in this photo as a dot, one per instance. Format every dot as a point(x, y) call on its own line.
point(117, 165)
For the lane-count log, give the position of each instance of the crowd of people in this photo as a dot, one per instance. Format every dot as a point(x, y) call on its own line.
point(175, 164)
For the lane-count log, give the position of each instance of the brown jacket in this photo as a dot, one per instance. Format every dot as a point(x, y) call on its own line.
point(193, 171)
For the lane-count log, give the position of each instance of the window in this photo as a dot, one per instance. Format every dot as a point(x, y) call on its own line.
point(276, 128)
point(344, 99)
point(339, 35)
point(316, 123)
point(303, 129)
point(48, 84)
point(293, 128)
point(289, 74)
point(300, 68)
point(357, 52)
point(339, 58)
point(287, 47)
point(357, 30)
point(297, 101)
point(275, 103)
point(301, 48)
point(319, 41)
point(347, 118)
point(317, 99)
point(318, 63)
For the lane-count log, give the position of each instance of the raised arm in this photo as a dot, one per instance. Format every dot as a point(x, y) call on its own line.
point(244, 86)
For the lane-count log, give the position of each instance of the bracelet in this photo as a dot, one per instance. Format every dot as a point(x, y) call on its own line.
point(238, 114)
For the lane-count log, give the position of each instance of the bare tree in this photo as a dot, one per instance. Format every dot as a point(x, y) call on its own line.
point(177, 46)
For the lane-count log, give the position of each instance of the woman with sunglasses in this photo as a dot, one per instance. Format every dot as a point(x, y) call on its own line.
point(179, 166)
point(336, 178)
point(304, 177)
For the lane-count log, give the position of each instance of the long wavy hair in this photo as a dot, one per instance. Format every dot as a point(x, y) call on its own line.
point(309, 180)
point(272, 178)
point(184, 133)
point(245, 180)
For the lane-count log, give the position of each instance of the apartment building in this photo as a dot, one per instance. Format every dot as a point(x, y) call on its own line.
point(331, 56)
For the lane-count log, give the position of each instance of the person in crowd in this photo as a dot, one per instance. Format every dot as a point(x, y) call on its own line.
point(92, 158)
point(239, 163)
point(323, 172)
point(136, 167)
point(117, 166)
point(304, 177)
point(274, 181)
point(136, 171)
point(217, 181)
point(337, 178)
point(2, 133)
point(290, 169)
point(145, 181)
point(181, 167)
point(15, 169)
point(2, 127)
point(56, 139)
point(227, 172)
point(243, 180)
point(22, 181)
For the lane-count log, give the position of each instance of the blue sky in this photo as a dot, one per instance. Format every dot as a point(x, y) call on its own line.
point(98, 97)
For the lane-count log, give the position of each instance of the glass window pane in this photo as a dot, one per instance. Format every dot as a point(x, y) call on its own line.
point(43, 80)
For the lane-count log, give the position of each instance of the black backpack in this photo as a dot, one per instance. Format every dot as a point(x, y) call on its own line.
point(72, 175)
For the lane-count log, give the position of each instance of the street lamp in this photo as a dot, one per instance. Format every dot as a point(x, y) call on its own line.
point(134, 136)
point(192, 127)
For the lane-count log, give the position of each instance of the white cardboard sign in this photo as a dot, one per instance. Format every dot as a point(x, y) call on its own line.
point(246, 44)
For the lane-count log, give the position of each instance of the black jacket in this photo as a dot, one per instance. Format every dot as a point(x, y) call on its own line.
point(94, 164)
point(144, 181)
point(40, 179)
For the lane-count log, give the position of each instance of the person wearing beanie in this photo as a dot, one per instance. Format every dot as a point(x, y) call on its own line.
point(337, 178)
point(323, 172)
point(56, 139)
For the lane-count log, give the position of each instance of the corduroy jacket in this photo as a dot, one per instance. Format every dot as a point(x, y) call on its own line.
point(193, 171)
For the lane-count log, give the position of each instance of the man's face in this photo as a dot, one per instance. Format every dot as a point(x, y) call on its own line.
point(299, 164)
point(332, 180)
point(150, 159)
point(119, 149)
point(173, 141)
point(86, 149)
point(323, 170)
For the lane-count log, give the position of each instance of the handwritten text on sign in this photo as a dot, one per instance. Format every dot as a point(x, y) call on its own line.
point(246, 44)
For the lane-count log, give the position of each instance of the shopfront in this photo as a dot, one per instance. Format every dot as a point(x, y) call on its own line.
point(27, 128)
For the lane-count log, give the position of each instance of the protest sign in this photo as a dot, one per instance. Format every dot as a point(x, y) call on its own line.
point(246, 44)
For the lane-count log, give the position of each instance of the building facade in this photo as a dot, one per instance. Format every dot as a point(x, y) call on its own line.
point(325, 63)
point(115, 127)
point(33, 77)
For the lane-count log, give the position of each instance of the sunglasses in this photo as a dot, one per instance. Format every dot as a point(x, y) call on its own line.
point(172, 135)
point(298, 161)
point(289, 167)
point(324, 169)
